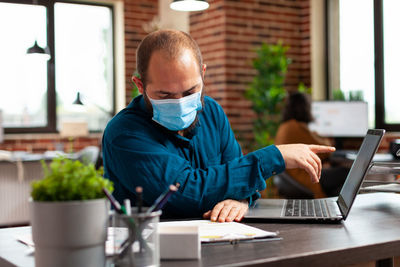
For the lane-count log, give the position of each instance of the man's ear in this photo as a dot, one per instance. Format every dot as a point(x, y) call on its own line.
point(138, 83)
point(204, 70)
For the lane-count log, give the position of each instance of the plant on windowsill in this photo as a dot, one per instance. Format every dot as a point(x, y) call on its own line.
point(354, 95)
point(69, 214)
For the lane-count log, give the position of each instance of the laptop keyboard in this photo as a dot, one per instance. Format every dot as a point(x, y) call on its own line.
point(306, 208)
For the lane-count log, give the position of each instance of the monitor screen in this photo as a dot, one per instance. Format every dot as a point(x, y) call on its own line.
point(340, 118)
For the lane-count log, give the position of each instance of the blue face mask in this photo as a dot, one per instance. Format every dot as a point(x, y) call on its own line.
point(176, 114)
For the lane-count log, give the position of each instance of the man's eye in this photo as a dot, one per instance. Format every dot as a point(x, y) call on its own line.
point(188, 93)
point(162, 95)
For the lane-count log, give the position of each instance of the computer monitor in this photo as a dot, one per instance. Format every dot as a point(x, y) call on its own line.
point(340, 118)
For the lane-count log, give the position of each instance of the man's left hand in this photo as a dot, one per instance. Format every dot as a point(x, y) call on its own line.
point(227, 211)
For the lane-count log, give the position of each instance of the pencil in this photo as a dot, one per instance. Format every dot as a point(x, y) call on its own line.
point(120, 209)
point(162, 199)
point(139, 198)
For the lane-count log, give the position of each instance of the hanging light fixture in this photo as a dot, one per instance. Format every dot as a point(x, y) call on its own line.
point(189, 5)
point(38, 51)
point(78, 100)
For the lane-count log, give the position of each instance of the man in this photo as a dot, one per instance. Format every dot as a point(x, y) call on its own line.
point(174, 134)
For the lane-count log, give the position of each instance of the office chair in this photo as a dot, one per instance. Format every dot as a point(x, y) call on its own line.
point(290, 188)
point(89, 154)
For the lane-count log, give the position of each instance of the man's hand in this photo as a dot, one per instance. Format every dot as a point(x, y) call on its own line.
point(304, 157)
point(227, 211)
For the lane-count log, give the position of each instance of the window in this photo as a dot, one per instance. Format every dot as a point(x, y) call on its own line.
point(368, 55)
point(23, 79)
point(357, 51)
point(39, 94)
point(391, 44)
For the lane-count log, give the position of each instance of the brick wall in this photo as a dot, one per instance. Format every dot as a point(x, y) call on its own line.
point(136, 14)
point(230, 30)
point(44, 142)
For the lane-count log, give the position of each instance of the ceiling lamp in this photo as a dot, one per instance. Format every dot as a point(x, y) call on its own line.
point(189, 5)
point(78, 100)
point(38, 51)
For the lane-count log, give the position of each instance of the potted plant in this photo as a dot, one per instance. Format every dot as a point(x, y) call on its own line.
point(69, 215)
point(267, 92)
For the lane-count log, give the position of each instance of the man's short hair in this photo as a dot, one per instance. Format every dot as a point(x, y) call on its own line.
point(171, 42)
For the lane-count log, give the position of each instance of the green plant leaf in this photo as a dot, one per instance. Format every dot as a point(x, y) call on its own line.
point(267, 92)
point(66, 180)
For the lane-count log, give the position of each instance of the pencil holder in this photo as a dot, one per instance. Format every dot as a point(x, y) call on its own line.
point(136, 239)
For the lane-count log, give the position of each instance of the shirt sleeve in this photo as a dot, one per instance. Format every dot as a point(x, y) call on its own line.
point(137, 160)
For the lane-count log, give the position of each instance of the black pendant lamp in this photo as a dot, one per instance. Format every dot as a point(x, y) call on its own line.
point(78, 100)
point(39, 51)
point(189, 5)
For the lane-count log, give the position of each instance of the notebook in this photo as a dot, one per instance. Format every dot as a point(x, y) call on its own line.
point(323, 209)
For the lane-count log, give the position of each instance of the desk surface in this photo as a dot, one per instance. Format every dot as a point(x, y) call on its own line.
point(371, 232)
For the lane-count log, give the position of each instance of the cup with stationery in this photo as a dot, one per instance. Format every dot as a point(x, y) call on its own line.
point(134, 231)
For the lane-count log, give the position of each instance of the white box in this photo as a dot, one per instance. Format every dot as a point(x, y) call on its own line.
point(179, 242)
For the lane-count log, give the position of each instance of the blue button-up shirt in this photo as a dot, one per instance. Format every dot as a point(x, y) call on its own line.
point(208, 163)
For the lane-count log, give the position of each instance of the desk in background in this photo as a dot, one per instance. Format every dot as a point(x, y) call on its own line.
point(371, 232)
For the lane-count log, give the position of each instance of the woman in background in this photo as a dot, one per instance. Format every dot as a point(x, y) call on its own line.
point(294, 129)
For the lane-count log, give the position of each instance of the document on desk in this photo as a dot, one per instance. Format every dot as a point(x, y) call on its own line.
point(390, 188)
point(222, 232)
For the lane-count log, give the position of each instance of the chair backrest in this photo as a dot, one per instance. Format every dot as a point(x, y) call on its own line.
point(89, 154)
point(290, 188)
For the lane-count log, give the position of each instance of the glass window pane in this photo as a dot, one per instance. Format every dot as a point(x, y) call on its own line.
point(357, 51)
point(391, 22)
point(23, 77)
point(84, 53)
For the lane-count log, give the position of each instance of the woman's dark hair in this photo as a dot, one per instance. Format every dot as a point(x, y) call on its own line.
point(298, 107)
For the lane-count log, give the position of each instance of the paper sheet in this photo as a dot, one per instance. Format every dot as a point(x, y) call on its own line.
point(227, 231)
point(394, 188)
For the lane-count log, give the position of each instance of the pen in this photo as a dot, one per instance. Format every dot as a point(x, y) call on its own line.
point(139, 198)
point(237, 241)
point(125, 246)
point(120, 209)
point(127, 204)
point(163, 199)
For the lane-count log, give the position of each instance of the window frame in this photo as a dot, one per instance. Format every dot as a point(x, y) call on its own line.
point(378, 67)
point(51, 126)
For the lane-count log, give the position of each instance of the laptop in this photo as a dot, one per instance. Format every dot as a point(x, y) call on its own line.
point(323, 209)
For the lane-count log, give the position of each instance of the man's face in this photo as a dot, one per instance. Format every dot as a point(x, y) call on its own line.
point(173, 78)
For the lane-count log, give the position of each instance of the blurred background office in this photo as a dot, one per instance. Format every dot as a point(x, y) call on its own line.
point(89, 47)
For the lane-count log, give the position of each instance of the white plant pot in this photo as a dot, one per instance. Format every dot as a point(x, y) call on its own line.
point(69, 233)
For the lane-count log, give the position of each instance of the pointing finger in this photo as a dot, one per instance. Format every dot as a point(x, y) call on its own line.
point(321, 149)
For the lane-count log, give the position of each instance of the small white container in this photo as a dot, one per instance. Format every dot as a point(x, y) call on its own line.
point(179, 242)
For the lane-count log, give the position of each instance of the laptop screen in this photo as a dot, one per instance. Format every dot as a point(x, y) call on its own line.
point(358, 170)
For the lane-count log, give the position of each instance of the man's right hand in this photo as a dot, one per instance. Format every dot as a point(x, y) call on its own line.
point(304, 157)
